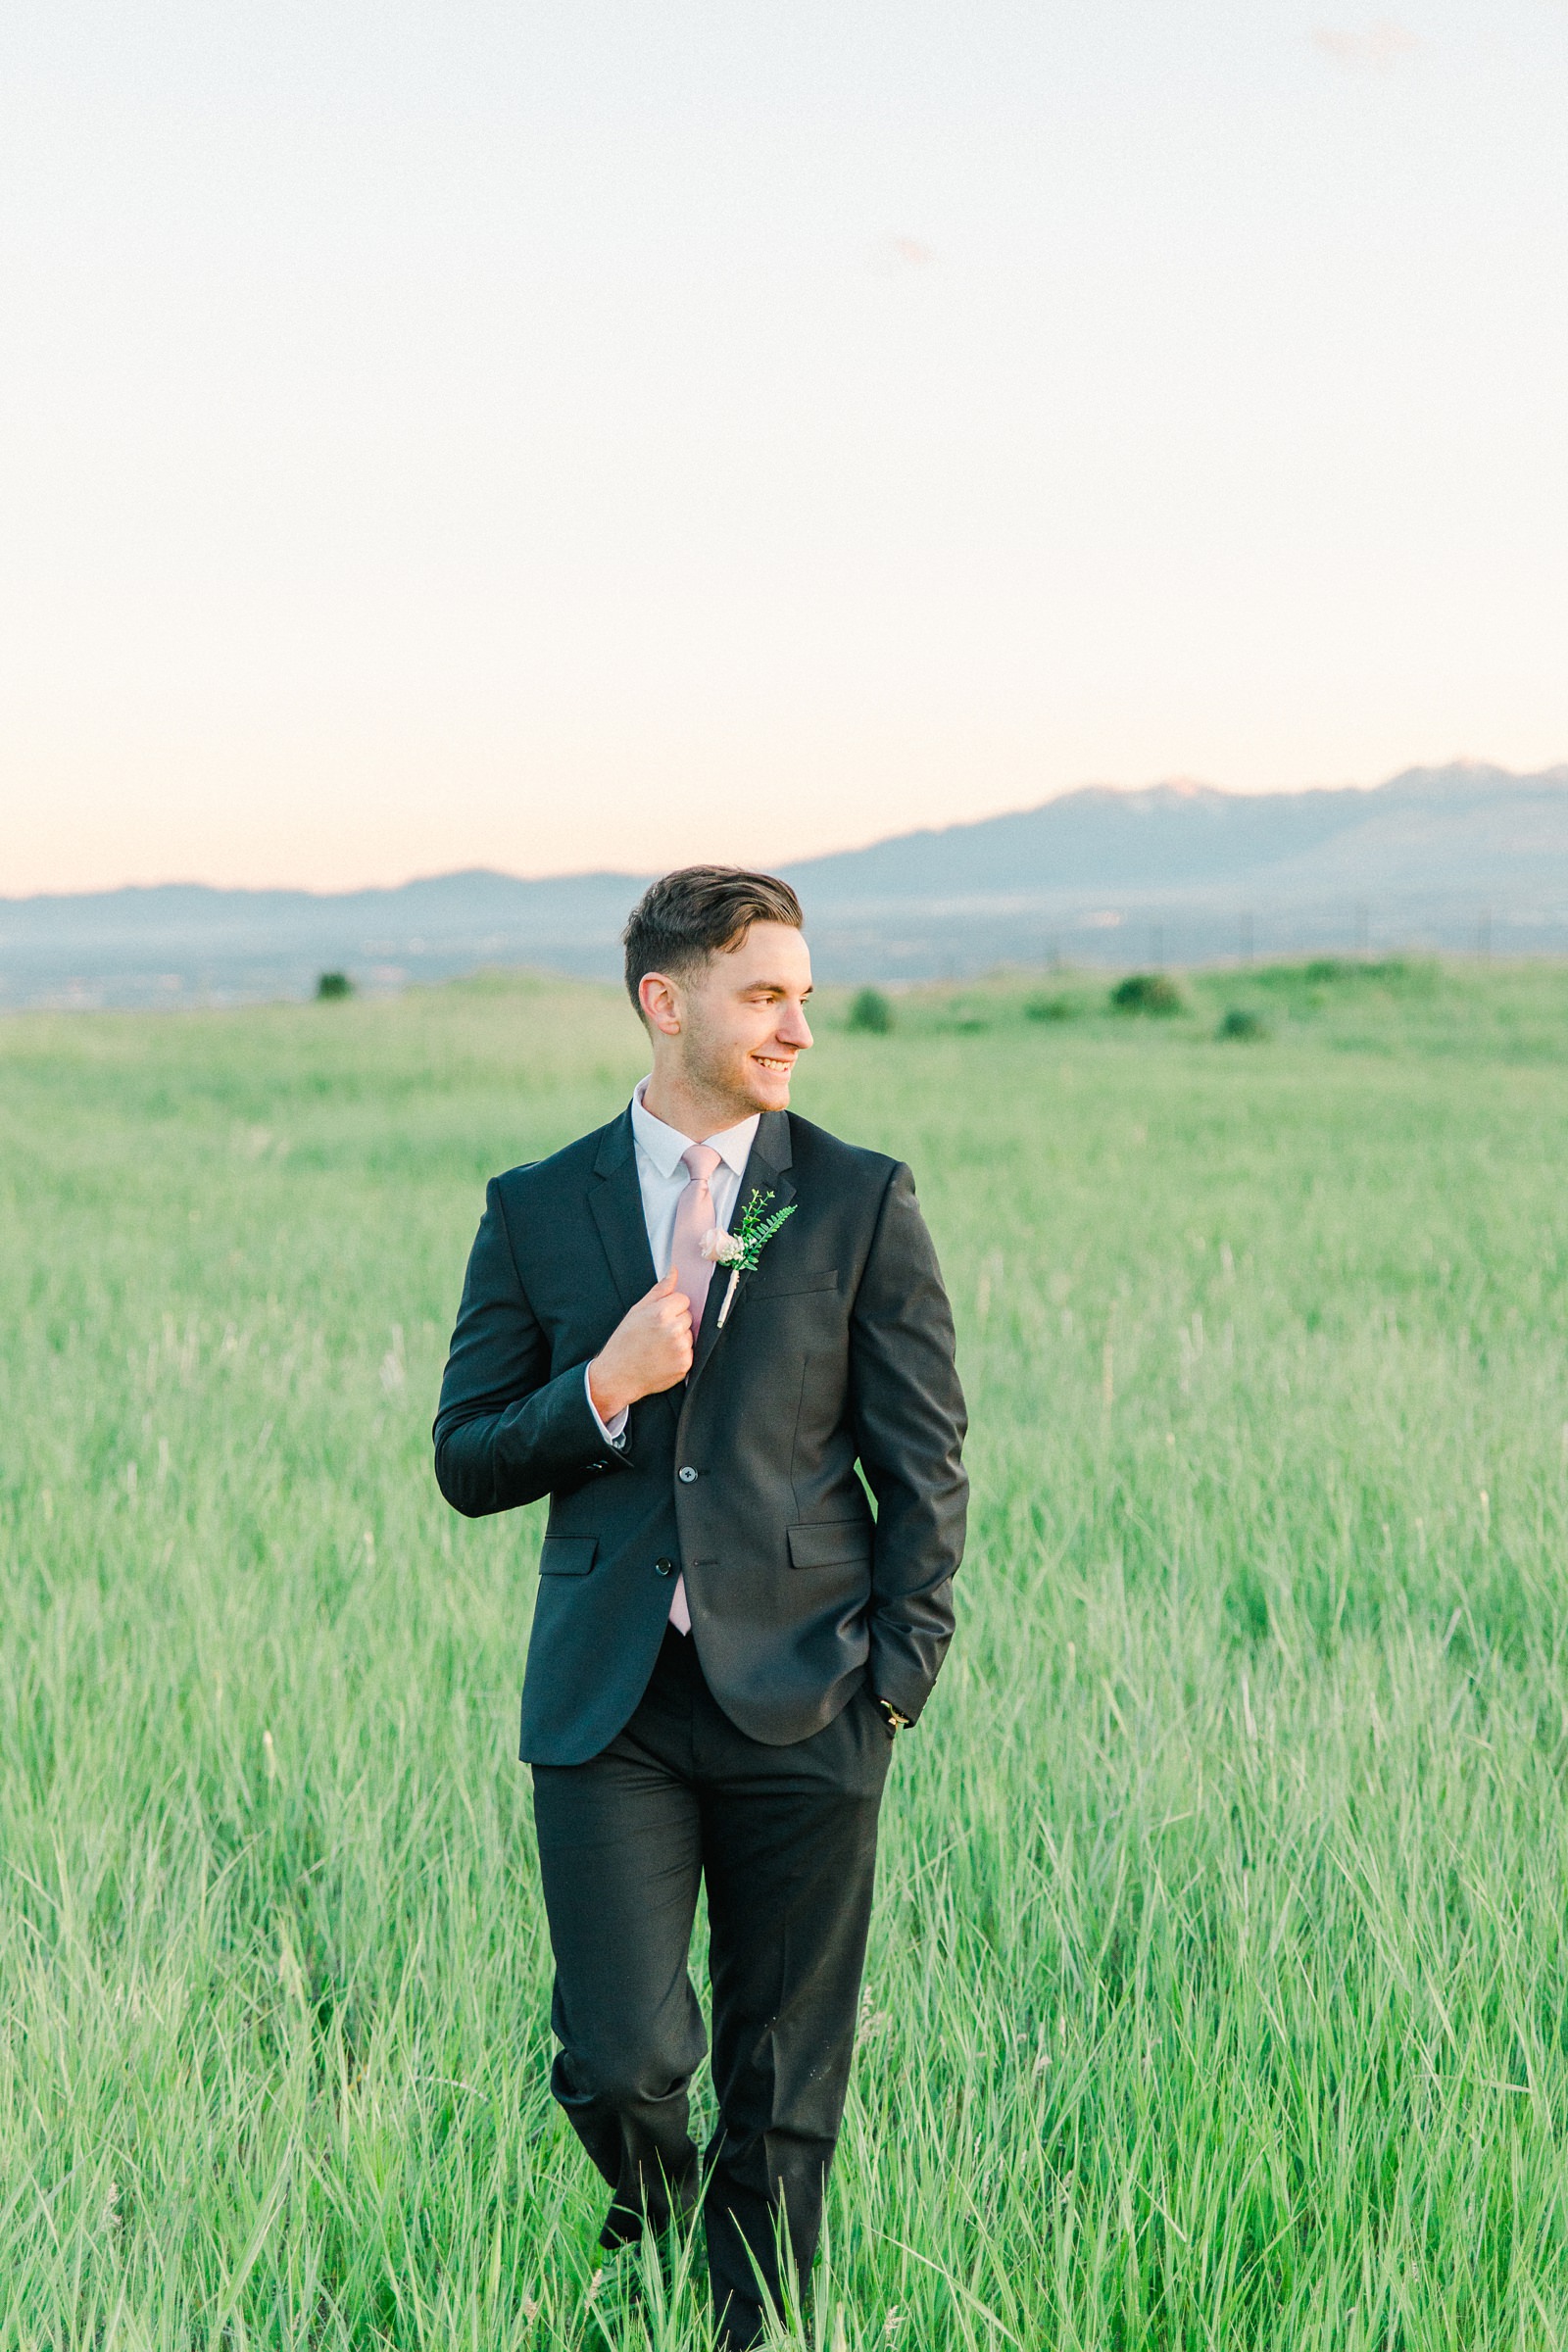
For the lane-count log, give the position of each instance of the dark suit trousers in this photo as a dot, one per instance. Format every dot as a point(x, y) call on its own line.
point(786, 1840)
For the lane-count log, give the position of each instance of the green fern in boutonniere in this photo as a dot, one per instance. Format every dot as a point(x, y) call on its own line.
point(741, 1250)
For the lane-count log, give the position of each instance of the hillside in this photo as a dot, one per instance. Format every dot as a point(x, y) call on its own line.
point(1447, 858)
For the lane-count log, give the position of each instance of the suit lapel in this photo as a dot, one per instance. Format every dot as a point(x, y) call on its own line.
point(616, 1200)
point(768, 1170)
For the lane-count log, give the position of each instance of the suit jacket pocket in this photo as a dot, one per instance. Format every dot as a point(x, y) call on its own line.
point(567, 1555)
point(787, 1285)
point(837, 1541)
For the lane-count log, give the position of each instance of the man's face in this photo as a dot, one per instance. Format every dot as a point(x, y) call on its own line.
point(743, 1020)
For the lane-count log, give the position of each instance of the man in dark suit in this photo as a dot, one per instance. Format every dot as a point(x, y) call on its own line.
point(705, 1353)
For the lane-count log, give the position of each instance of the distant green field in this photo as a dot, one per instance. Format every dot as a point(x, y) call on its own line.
point(1219, 1995)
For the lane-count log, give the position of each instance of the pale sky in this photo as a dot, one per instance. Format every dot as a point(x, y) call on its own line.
point(626, 431)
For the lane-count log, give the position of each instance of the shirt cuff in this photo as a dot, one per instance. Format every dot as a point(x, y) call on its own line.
point(613, 1432)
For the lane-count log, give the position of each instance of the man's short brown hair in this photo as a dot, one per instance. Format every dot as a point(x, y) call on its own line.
point(685, 917)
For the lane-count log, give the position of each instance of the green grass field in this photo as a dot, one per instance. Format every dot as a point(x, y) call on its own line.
point(1218, 1992)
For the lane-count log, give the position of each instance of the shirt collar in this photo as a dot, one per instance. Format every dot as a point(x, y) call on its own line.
point(663, 1145)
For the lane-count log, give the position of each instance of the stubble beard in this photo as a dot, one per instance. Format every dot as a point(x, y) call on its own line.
point(710, 1067)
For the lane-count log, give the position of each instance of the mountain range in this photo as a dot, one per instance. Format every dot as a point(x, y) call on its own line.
point(1458, 856)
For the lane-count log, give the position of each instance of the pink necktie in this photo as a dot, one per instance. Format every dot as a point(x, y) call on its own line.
point(694, 1216)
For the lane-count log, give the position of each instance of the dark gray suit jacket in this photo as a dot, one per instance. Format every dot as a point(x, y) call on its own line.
point(838, 1351)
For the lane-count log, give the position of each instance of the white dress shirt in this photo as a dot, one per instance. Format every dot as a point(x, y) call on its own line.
point(662, 1177)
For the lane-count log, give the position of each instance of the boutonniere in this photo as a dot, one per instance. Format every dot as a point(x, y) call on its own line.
point(740, 1250)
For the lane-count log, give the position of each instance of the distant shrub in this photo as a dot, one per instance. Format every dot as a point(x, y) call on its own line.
point(1145, 992)
point(331, 985)
point(871, 1012)
point(1051, 1008)
point(1337, 972)
point(1242, 1023)
point(1329, 972)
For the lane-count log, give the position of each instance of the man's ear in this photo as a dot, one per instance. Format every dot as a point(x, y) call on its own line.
point(659, 1000)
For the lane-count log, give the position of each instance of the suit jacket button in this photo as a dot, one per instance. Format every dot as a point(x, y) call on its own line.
point(663, 1567)
point(686, 1474)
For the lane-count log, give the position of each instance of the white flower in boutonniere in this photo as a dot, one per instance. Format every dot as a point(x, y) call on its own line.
point(740, 1250)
